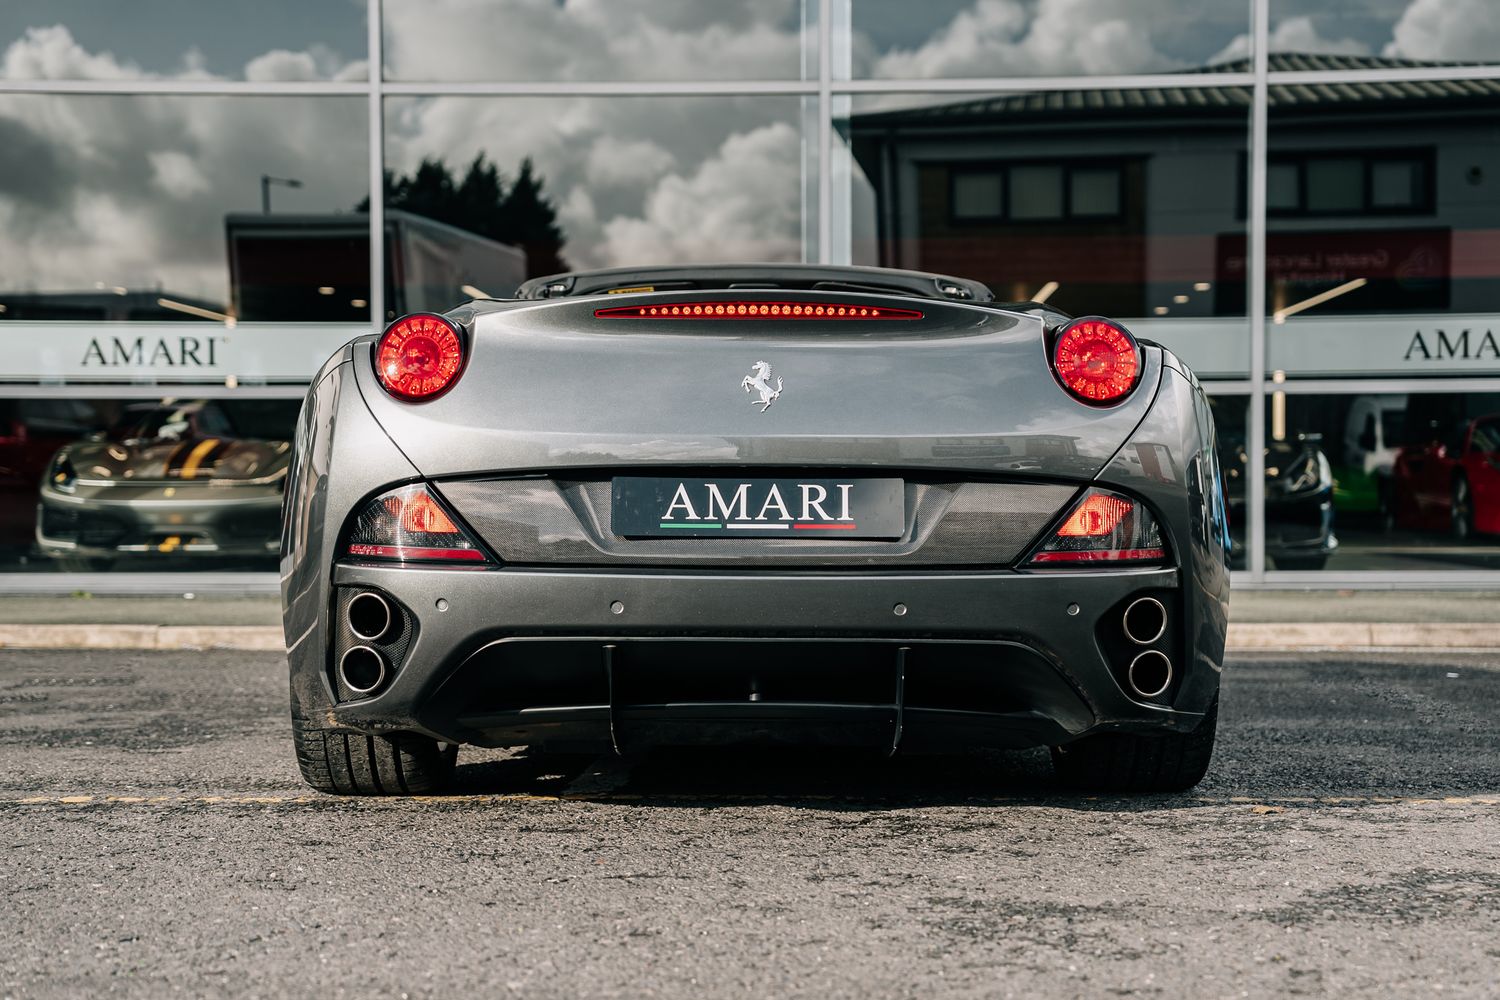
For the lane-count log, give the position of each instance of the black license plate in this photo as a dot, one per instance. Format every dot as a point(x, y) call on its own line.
point(722, 507)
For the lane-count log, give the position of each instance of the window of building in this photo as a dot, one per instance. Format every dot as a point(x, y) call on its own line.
point(1381, 182)
point(1334, 185)
point(978, 195)
point(1035, 192)
point(1282, 187)
point(1095, 192)
point(1395, 184)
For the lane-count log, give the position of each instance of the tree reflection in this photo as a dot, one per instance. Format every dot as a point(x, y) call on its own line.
point(481, 203)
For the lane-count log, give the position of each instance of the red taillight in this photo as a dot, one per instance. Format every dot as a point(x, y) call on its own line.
point(1104, 527)
point(419, 356)
point(1098, 515)
point(409, 525)
point(755, 310)
point(1096, 360)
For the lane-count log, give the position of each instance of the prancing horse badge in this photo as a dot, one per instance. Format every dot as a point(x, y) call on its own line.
point(759, 380)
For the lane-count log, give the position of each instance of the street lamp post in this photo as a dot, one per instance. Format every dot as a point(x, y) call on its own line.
point(266, 180)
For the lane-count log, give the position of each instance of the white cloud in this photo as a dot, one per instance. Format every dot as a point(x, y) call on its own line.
point(281, 66)
point(593, 39)
point(734, 206)
point(1448, 29)
point(50, 53)
point(1295, 34)
point(614, 162)
point(133, 190)
point(1052, 37)
point(604, 159)
point(177, 175)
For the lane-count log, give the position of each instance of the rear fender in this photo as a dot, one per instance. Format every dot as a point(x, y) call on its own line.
point(1171, 462)
point(335, 429)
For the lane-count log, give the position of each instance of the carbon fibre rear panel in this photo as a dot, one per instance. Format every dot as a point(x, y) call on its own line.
point(545, 521)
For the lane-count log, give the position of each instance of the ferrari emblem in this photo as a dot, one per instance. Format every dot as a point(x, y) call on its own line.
point(759, 380)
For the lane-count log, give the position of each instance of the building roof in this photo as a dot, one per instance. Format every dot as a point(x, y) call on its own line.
point(1202, 95)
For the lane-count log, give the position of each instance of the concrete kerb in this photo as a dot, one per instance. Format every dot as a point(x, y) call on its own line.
point(259, 638)
point(1243, 637)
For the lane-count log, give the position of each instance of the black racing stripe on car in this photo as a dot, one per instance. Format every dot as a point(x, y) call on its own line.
point(178, 457)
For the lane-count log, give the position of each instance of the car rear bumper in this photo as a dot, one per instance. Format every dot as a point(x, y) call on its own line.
point(506, 656)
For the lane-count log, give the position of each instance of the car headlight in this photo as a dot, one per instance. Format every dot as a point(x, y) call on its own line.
point(64, 477)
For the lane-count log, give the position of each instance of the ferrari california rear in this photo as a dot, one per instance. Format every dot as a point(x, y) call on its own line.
point(819, 506)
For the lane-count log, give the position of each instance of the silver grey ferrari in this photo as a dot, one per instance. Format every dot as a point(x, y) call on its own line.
point(754, 504)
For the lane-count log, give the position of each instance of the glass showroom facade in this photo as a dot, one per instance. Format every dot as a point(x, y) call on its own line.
point(199, 203)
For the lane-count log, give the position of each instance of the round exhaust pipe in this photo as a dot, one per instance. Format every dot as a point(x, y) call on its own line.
point(369, 616)
point(1145, 620)
point(362, 669)
point(1150, 674)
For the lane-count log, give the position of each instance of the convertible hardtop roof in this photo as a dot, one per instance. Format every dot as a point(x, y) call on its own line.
point(801, 277)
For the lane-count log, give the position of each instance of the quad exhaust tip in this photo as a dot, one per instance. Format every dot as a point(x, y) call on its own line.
point(369, 616)
point(1145, 620)
point(362, 669)
point(1150, 674)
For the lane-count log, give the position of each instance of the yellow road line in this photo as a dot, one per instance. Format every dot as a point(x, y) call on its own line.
point(481, 799)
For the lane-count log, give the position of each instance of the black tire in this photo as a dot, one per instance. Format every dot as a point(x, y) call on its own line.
point(1461, 509)
point(342, 762)
point(1126, 762)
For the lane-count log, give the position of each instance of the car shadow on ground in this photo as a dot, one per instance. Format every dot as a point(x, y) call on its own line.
point(820, 778)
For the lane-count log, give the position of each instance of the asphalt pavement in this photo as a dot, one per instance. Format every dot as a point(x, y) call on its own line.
point(157, 841)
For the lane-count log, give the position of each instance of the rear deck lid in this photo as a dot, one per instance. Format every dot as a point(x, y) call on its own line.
point(602, 382)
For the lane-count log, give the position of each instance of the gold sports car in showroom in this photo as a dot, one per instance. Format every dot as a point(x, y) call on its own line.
point(187, 477)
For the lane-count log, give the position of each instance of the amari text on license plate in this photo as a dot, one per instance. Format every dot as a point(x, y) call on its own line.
point(725, 507)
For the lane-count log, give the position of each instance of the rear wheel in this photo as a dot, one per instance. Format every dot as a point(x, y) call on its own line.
point(342, 762)
point(1127, 762)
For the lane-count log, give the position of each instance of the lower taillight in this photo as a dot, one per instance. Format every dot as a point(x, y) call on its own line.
point(1104, 527)
point(410, 525)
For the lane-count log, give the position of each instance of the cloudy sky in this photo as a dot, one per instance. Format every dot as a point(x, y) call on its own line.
point(133, 191)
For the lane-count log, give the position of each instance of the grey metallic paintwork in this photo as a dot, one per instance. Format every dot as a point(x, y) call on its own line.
point(1029, 608)
point(1183, 485)
point(1009, 394)
point(334, 430)
point(548, 386)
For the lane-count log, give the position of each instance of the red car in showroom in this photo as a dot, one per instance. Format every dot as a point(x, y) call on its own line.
point(1452, 483)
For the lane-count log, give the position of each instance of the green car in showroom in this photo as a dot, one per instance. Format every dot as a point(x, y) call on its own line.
point(752, 504)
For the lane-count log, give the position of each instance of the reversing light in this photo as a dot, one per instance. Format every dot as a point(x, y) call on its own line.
point(1096, 360)
point(409, 525)
point(419, 357)
point(756, 310)
point(1104, 527)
